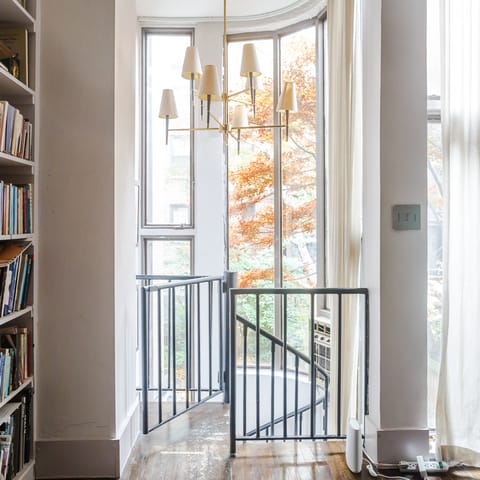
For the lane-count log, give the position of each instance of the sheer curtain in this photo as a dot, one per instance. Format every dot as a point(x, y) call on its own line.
point(343, 192)
point(458, 417)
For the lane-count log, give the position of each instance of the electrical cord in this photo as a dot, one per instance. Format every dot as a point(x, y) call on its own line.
point(373, 473)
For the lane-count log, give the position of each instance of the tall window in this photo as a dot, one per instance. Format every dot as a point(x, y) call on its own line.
point(276, 228)
point(166, 227)
point(275, 184)
point(435, 207)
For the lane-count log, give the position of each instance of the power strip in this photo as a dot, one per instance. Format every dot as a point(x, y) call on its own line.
point(430, 467)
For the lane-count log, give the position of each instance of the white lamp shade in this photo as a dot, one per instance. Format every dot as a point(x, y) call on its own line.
point(250, 63)
point(191, 64)
point(240, 117)
point(168, 107)
point(209, 84)
point(288, 98)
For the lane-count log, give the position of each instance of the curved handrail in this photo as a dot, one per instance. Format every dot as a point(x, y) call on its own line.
point(278, 341)
point(281, 343)
point(292, 414)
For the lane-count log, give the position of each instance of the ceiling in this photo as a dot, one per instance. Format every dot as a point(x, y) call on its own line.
point(214, 8)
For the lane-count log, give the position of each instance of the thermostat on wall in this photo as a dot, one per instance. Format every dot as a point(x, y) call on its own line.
point(406, 217)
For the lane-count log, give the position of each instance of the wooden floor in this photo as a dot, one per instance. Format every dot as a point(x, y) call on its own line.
point(196, 446)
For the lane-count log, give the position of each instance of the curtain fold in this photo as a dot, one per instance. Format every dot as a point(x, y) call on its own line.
point(458, 419)
point(343, 188)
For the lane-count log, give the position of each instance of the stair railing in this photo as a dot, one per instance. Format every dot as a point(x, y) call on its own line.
point(291, 418)
point(181, 344)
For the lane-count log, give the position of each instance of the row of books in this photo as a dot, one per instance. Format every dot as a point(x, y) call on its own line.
point(15, 435)
point(16, 213)
point(15, 132)
point(16, 266)
point(15, 352)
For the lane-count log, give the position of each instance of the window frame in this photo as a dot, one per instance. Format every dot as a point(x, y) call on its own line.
point(168, 238)
point(145, 226)
point(157, 231)
point(318, 22)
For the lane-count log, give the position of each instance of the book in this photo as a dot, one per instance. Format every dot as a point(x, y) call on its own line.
point(10, 251)
point(10, 117)
point(5, 445)
point(16, 338)
point(24, 299)
point(16, 38)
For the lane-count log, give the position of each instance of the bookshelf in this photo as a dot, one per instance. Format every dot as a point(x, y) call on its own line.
point(18, 167)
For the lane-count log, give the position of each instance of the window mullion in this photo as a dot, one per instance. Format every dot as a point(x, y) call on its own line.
point(277, 169)
point(320, 152)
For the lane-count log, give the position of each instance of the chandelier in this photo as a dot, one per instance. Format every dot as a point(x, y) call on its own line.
point(205, 87)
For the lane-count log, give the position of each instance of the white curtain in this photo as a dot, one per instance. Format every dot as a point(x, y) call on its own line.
point(343, 192)
point(458, 406)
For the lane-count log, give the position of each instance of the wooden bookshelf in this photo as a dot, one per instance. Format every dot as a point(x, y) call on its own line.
point(18, 236)
point(12, 87)
point(19, 171)
point(12, 12)
point(28, 382)
point(26, 472)
point(7, 160)
point(12, 316)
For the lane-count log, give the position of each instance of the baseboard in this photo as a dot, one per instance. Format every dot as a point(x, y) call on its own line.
point(394, 445)
point(128, 435)
point(65, 459)
point(388, 446)
point(77, 459)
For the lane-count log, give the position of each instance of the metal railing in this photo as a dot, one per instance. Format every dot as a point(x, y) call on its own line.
point(305, 391)
point(181, 344)
point(297, 412)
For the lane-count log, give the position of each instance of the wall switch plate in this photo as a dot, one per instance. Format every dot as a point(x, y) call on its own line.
point(406, 217)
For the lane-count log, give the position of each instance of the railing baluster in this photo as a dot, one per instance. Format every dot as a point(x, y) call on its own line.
point(169, 339)
point(284, 296)
point(187, 346)
point(144, 360)
point(160, 350)
point(233, 373)
point(339, 366)
point(313, 373)
point(199, 348)
point(221, 379)
point(210, 298)
point(296, 395)
point(366, 373)
point(272, 390)
point(244, 380)
point(257, 362)
point(174, 351)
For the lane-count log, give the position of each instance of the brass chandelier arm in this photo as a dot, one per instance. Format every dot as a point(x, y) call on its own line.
point(220, 124)
point(196, 129)
point(226, 96)
point(258, 127)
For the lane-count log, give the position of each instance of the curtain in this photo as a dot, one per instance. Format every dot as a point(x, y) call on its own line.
point(343, 189)
point(458, 418)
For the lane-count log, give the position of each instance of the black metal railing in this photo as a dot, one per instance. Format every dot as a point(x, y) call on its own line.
point(288, 388)
point(182, 337)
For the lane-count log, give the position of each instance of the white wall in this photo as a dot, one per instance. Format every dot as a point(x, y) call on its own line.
point(126, 399)
point(210, 199)
point(395, 262)
point(86, 237)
